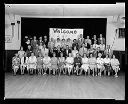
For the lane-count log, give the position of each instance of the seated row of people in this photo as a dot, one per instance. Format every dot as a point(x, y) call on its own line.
point(64, 65)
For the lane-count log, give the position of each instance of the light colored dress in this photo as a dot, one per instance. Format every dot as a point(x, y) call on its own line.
point(69, 62)
point(85, 64)
point(115, 64)
point(92, 63)
point(100, 62)
point(47, 62)
point(54, 62)
point(32, 62)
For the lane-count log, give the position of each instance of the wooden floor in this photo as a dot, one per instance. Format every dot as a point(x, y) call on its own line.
point(64, 87)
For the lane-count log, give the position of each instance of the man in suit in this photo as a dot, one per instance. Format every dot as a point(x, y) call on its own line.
point(108, 51)
point(75, 44)
point(101, 39)
point(45, 41)
point(67, 51)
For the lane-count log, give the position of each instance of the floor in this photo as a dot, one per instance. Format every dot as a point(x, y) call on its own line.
point(64, 87)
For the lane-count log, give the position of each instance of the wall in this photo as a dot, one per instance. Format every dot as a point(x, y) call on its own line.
point(14, 43)
point(112, 39)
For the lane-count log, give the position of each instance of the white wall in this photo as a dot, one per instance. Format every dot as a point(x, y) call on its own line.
point(15, 43)
point(117, 43)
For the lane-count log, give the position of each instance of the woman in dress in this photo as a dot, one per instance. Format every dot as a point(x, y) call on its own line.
point(100, 64)
point(61, 63)
point(85, 65)
point(15, 63)
point(46, 63)
point(32, 62)
point(115, 65)
point(69, 63)
point(39, 63)
point(24, 63)
point(107, 63)
point(92, 64)
point(54, 62)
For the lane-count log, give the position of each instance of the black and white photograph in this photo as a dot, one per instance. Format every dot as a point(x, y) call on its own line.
point(65, 51)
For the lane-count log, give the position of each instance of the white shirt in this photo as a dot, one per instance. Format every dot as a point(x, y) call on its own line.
point(74, 52)
point(102, 47)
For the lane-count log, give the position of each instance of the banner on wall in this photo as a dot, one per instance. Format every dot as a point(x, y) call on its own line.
point(65, 33)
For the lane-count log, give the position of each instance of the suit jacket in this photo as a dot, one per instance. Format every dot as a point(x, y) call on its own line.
point(99, 41)
point(65, 52)
point(22, 60)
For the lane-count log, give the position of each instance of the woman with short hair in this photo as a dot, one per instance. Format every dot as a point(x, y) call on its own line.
point(32, 62)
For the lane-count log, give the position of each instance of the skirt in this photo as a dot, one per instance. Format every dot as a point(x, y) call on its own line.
point(85, 67)
point(107, 67)
point(61, 65)
point(92, 66)
point(15, 67)
point(32, 66)
point(69, 66)
point(99, 66)
point(115, 68)
point(54, 66)
point(47, 65)
point(39, 66)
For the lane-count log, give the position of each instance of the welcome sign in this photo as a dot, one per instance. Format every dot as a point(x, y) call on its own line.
point(65, 33)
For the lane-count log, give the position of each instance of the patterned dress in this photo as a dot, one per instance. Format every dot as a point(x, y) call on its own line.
point(61, 62)
point(15, 62)
point(54, 62)
point(92, 63)
point(100, 62)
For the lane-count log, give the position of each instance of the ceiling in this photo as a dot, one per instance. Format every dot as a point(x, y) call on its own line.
point(66, 9)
